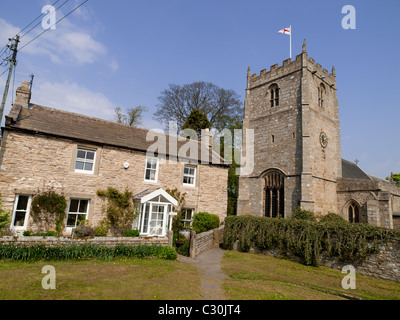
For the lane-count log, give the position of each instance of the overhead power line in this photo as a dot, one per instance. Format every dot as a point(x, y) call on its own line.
point(40, 22)
point(58, 21)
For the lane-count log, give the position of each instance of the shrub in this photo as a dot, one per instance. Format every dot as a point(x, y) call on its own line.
point(83, 231)
point(306, 239)
point(40, 252)
point(132, 233)
point(332, 217)
point(27, 233)
point(301, 214)
point(4, 217)
point(48, 211)
point(204, 221)
point(184, 249)
point(119, 209)
point(101, 230)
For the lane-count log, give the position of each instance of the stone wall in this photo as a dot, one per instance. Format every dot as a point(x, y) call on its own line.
point(384, 264)
point(101, 241)
point(200, 243)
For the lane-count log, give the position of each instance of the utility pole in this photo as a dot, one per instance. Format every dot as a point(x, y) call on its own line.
point(13, 48)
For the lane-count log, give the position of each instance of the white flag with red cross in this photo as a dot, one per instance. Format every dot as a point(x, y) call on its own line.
point(286, 31)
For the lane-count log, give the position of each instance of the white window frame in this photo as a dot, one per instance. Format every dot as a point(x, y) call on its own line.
point(188, 175)
point(184, 217)
point(144, 225)
point(93, 162)
point(27, 212)
point(156, 169)
point(76, 213)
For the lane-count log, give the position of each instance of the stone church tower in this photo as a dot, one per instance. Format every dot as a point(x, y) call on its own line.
point(293, 110)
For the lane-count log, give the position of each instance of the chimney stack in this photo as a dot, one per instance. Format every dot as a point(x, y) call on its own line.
point(207, 137)
point(23, 95)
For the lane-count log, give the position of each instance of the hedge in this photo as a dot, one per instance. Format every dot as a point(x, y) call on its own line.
point(306, 239)
point(39, 252)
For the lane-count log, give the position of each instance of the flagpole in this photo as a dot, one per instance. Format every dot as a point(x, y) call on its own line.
point(290, 42)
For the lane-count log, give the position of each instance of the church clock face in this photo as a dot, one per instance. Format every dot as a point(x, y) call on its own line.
point(323, 139)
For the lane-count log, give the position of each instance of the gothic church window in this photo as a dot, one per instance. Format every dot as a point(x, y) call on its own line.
point(274, 95)
point(321, 95)
point(353, 212)
point(274, 195)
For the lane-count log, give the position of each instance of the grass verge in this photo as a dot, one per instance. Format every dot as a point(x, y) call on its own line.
point(261, 277)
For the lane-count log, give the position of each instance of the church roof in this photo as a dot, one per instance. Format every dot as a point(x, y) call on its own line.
point(353, 171)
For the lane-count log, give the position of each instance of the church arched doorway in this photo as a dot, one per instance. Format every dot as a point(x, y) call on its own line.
point(274, 194)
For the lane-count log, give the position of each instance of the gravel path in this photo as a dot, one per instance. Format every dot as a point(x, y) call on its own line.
point(208, 265)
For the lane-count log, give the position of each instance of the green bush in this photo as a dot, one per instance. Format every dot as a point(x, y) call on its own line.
point(4, 217)
point(39, 252)
point(306, 239)
point(101, 230)
point(132, 233)
point(333, 217)
point(184, 249)
point(48, 211)
point(204, 221)
point(301, 214)
point(82, 231)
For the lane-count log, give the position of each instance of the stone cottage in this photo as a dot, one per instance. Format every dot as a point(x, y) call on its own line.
point(294, 113)
point(46, 149)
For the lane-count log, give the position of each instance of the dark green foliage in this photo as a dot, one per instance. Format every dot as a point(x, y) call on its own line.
point(132, 233)
point(197, 121)
point(83, 230)
point(119, 209)
point(39, 252)
point(4, 217)
point(204, 221)
point(301, 214)
point(184, 249)
point(306, 239)
point(48, 211)
point(333, 217)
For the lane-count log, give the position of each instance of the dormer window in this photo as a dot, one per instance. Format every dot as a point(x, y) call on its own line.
point(274, 95)
point(321, 95)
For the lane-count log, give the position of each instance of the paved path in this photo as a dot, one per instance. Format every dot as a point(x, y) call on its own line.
point(209, 267)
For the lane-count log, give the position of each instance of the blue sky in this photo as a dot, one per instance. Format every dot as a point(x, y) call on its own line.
point(124, 53)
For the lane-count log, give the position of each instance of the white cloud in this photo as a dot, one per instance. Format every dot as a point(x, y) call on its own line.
point(66, 44)
point(72, 97)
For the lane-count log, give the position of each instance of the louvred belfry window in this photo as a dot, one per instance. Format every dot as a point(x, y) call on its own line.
point(274, 195)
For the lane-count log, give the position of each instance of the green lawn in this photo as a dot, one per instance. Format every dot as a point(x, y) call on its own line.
point(251, 277)
point(254, 277)
point(136, 279)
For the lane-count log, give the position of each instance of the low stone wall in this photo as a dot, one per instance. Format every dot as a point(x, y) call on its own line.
point(101, 241)
point(200, 243)
point(384, 264)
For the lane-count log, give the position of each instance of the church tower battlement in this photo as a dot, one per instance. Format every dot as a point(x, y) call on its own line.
point(293, 110)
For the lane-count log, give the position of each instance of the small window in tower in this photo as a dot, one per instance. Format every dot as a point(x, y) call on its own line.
point(274, 95)
point(273, 139)
point(321, 95)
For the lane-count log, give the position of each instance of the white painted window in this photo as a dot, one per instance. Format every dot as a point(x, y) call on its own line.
point(85, 160)
point(151, 171)
point(189, 175)
point(21, 210)
point(77, 212)
point(187, 215)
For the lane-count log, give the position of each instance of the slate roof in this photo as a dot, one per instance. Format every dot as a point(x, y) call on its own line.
point(63, 124)
point(352, 170)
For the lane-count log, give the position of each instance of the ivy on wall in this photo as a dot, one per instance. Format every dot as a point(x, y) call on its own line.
point(306, 239)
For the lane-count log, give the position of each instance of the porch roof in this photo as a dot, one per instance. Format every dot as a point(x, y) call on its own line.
point(153, 192)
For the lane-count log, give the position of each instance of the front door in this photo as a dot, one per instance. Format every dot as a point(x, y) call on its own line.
point(157, 219)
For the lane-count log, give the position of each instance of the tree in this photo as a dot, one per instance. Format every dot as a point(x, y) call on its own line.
point(395, 178)
point(197, 121)
point(219, 105)
point(133, 117)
